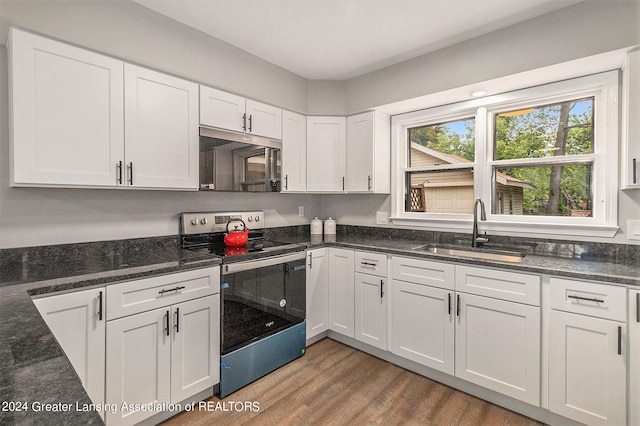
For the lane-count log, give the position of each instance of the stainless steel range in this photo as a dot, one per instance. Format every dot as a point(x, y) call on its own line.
point(263, 294)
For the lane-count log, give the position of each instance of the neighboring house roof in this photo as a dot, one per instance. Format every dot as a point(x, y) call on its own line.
point(456, 159)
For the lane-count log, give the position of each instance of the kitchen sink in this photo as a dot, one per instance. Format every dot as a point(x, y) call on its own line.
point(476, 253)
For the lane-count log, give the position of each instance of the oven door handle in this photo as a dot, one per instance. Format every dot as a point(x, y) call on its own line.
point(230, 268)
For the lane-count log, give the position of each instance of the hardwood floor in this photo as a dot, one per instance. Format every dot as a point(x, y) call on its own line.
point(334, 384)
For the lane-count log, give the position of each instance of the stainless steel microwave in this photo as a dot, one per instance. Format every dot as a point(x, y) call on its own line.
point(239, 162)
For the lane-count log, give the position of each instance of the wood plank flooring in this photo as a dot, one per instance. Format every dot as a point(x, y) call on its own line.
point(334, 384)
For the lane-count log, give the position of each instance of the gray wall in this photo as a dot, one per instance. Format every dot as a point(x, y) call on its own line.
point(585, 29)
point(32, 216)
point(124, 29)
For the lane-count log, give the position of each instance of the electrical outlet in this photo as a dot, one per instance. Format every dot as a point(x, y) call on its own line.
point(301, 211)
point(382, 218)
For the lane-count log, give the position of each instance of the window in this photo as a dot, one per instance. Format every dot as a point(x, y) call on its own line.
point(545, 156)
point(440, 173)
point(534, 136)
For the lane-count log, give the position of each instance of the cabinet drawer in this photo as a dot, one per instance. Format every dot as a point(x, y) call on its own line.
point(597, 300)
point(371, 263)
point(132, 297)
point(425, 272)
point(499, 284)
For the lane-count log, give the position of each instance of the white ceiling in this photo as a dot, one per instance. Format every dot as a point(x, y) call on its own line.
point(342, 39)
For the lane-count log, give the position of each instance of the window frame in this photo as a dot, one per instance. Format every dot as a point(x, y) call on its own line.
point(603, 87)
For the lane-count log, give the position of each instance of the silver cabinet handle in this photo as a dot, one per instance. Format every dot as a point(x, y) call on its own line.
point(163, 291)
point(130, 173)
point(637, 307)
point(119, 169)
point(100, 306)
point(619, 340)
point(381, 285)
point(177, 325)
point(587, 299)
point(167, 327)
point(634, 172)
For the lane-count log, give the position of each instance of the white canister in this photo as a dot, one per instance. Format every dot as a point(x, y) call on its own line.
point(330, 226)
point(316, 226)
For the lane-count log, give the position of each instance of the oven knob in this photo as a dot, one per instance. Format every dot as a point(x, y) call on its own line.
point(194, 222)
point(203, 221)
point(257, 219)
point(249, 219)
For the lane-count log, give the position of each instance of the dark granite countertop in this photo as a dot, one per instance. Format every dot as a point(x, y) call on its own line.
point(610, 263)
point(578, 268)
point(33, 368)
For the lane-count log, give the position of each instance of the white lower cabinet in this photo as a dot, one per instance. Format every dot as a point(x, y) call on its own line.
point(487, 341)
point(587, 354)
point(422, 325)
point(77, 321)
point(634, 357)
point(341, 291)
point(371, 309)
point(498, 346)
point(317, 314)
point(162, 356)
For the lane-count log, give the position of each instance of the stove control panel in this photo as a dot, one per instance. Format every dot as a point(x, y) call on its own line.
point(209, 222)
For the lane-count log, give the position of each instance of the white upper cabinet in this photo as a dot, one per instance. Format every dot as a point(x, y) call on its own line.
point(326, 152)
point(67, 112)
point(631, 125)
point(231, 112)
point(161, 130)
point(221, 109)
point(294, 152)
point(264, 120)
point(368, 150)
point(81, 119)
point(349, 154)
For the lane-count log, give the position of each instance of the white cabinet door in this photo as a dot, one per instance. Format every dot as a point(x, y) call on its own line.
point(67, 111)
point(371, 301)
point(368, 153)
point(360, 153)
point(161, 130)
point(634, 357)
point(631, 125)
point(341, 291)
point(498, 346)
point(294, 152)
point(587, 369)
point(263, 120)
point(422, 321)
point(77, 321)
point(222, 110)
point(195, 347)
point(317, 292)
point(138, 363)
point(326, 154)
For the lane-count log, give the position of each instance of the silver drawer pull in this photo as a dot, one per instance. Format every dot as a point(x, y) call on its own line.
point(180, 287)
point(587, 299)
point(368, 264)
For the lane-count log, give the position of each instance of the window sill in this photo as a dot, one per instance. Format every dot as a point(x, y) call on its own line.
point(545, 230)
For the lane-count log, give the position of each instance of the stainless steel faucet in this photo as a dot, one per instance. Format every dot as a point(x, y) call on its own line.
point(475, 240)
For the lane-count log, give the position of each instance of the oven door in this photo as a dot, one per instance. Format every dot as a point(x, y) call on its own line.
point(261, 297)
